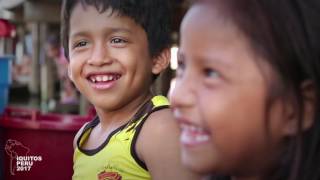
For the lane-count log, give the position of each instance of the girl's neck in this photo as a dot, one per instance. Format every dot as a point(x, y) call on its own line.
point(246, 178)
point(254, 177)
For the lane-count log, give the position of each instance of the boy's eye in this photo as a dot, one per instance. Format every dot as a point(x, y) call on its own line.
point(210, 73)
point(117, 41)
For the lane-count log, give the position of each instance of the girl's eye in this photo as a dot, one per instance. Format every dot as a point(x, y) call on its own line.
point(180, 68)
point(117, 41)
point(81, 44)
point(210, 73)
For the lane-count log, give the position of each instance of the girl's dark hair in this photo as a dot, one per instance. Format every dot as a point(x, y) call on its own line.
point(152, 15)
point(287, 34)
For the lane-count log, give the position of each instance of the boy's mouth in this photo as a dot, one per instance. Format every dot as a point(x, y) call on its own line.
point(103, 78)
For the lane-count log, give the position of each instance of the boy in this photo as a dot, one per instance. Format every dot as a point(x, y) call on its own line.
point(115, 48)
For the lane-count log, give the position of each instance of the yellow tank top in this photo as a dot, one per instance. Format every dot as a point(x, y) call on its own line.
point(116, 158)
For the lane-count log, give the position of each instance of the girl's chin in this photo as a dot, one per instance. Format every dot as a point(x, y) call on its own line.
point(197, 162)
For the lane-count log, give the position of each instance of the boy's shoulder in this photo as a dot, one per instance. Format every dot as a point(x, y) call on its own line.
point(160, 100)
point(161, 115)
point(77, 136)
point(84, 127)
point(158, 144)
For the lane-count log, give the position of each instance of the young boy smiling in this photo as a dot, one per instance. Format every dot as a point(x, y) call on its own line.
point(115, 50)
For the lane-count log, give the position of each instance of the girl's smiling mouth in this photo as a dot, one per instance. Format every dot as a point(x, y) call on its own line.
point(192, 135)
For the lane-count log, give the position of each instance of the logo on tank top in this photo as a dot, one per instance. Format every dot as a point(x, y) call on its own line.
point(109, 176)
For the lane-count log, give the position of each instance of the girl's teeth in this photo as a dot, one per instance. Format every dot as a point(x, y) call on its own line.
point(192, 135)
point(202, 138)
point(193, 139)
point(192, 128)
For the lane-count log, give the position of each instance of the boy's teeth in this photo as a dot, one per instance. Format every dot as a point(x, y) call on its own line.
point(104, 78)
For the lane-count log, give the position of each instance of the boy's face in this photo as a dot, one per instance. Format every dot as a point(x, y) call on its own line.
point(220, 98)
point(109, 58)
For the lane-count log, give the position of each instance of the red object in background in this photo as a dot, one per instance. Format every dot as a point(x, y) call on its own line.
point(6, 28)
point(49, 136)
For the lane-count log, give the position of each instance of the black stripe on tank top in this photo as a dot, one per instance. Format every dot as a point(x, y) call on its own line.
point(135, 136)
point(90, 152)
point(91, 124)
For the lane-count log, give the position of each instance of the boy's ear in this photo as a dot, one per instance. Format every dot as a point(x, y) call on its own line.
point(161, 62)
point(308, 93)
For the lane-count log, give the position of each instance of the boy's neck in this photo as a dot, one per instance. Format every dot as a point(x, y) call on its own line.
point(116, 118)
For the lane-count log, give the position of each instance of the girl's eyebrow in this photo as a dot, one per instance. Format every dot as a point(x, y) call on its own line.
point(206, 59)
point(214, 60)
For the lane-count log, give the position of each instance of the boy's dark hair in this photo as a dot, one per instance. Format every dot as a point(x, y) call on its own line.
point(152, 15)
point(287, 34)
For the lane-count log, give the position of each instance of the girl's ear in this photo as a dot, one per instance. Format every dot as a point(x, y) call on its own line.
point(308, 99)
point(161, 62)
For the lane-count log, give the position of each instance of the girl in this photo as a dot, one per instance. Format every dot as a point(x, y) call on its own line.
point(247, 89)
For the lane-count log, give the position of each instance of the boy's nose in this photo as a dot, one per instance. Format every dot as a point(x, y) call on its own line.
point(100, 56)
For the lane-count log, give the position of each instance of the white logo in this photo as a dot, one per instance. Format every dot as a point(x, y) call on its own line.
point(19, 158)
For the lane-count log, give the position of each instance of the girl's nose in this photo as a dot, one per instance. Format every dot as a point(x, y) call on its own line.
point(183, 93)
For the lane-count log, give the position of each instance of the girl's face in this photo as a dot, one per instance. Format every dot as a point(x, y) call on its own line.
point(220, 99)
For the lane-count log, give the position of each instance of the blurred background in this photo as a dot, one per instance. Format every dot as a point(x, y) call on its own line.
point(40, 109)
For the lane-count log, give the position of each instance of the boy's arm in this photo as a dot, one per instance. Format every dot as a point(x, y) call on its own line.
point(158, 146)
